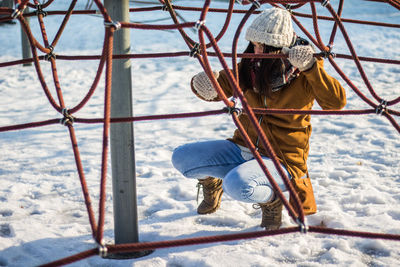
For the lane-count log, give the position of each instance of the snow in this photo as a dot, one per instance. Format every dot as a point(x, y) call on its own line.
point(353, 162)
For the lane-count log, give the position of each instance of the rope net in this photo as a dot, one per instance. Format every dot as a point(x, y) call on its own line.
point(200, 51)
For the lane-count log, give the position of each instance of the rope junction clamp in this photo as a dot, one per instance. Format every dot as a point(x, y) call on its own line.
point(195, 50)
point(198, 24)
point(233, 109)
point(303, 226)
point(51, 54)
point(40, 11)
point(102, 249)
point(114, 24)
point(326, 54)
point(256, 4)
point(289, 8)
point(17, 12)
point(165, 7)
point(325, 3)
point(68, 118)
point(381, 108)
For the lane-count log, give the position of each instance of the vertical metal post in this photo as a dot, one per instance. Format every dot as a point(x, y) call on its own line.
point(121, 134)
point(26, 47)
point(9, 4)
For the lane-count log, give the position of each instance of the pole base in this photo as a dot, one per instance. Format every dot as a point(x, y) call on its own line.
point(128, 255)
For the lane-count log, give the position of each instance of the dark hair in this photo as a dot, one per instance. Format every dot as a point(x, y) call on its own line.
point(263, 81)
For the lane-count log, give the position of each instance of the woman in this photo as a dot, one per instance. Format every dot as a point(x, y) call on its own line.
point(293, 83)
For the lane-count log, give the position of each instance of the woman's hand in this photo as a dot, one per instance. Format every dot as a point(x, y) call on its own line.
point(203, 86)
point(300, 56)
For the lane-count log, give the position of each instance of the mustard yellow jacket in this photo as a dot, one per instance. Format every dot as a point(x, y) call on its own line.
point(290, 133)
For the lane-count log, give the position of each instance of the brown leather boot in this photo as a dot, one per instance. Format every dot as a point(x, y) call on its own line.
point(212, 193)
point(271, 213)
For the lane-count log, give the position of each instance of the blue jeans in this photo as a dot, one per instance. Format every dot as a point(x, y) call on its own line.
point(243, 179)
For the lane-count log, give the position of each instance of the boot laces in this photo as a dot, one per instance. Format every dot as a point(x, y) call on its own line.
point(211, 188)
point(199, 185)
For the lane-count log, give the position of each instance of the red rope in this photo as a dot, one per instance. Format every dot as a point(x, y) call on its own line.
point(64, 23)
point(36, 63)
point(186, 53)
point(372, 23)
point(96, 79)
point(106, 127)
point(194, 114)
point(85, 191)
point(354, 54)
point(28, 125)
point(143, 246)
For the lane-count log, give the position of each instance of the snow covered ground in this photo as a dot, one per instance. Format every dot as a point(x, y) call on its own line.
point(354, 160)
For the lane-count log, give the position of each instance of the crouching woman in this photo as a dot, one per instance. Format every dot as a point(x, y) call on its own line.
point(277, 83)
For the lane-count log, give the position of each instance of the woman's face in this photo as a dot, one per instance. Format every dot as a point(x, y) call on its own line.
point(258, 48)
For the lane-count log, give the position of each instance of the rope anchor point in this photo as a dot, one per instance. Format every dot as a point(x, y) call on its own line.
point(102, 248)
point(302, 226)
point(115, 24)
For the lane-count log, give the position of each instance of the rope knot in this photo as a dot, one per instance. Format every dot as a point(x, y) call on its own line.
point(195, 50)
point(68, 118)
point(381, 108)
point(40, 11)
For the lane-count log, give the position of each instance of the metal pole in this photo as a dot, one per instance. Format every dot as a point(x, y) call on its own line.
point(121, 134)
point(26, 48)
point(9, 4)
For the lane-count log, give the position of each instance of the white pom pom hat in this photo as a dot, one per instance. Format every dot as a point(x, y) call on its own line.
point(272, 27)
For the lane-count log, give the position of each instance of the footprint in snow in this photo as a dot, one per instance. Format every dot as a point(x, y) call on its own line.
point(6, 213)
point(3, 262)
point(180, 194)
point(221, 222)
point(6, 230)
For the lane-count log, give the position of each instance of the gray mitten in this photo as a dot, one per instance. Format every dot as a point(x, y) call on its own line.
point(203, 85)
point(300, 56)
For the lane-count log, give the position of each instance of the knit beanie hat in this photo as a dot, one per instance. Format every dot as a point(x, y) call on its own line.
point(272, 27)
